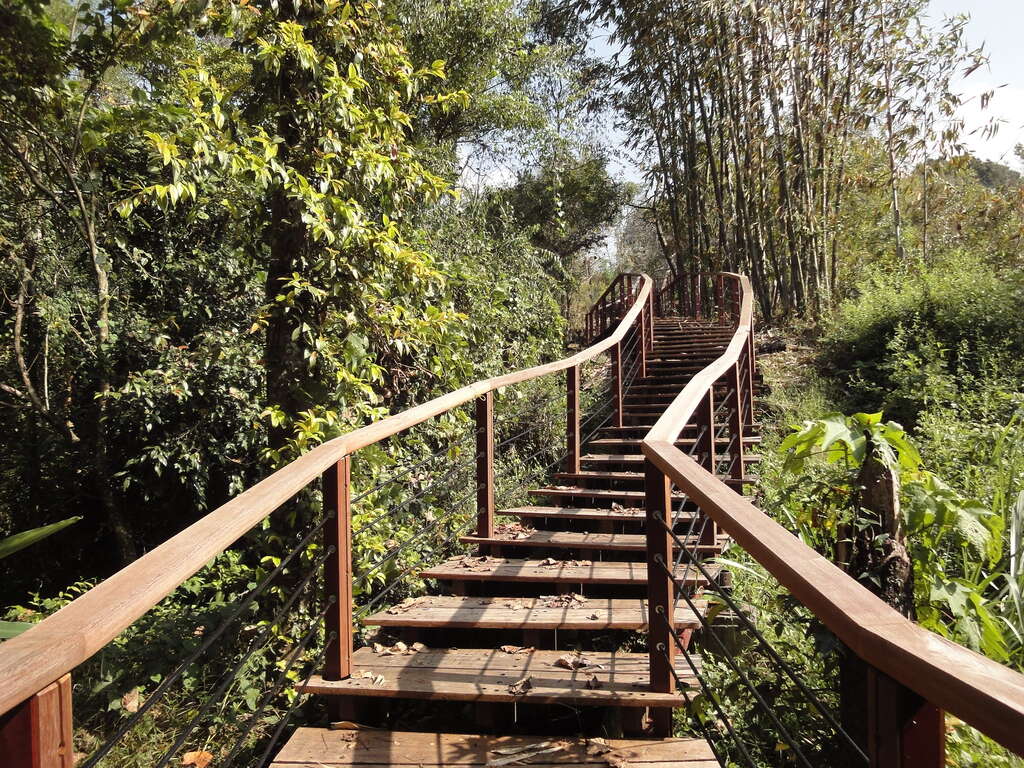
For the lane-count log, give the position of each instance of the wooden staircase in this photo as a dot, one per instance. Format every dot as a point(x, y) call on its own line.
point(541, 627)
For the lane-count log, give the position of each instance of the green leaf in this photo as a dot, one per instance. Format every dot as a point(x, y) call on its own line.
point(9, 629)
point(19, 541)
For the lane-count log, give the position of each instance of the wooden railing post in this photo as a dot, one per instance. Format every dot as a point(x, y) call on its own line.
point(617, 382)
point(903, 730)
point(736, 432)
point(723, 316)
point(660, 591)
point(748, 383)
point(338, 570)
point(642, 342)
point(485, 466)
point(572, 419)
point(38, 732)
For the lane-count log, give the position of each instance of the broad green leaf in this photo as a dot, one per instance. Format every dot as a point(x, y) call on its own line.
point(19, 541)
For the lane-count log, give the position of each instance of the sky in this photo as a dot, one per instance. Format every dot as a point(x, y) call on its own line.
point(999, 26)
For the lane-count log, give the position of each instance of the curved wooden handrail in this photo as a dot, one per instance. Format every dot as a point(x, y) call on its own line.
point(981, 692)
point(59, 643)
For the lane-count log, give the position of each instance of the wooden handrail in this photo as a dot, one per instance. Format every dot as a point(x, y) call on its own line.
point(59, 643)
point(981, 692)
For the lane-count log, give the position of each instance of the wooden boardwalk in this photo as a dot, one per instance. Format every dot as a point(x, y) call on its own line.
point(515, 619)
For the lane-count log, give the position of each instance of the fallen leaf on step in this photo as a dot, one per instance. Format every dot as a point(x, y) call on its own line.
point(200, 758)
point(378, 680)
point(598, 746)
point(402, 606)
point(348, 725)
point(572, 661)
point(520, 687)
point(593, 617)
point(418, 648)
point(593, 683)
point(514, 649)
point(549, 561)
point(401, 647)
point(522, 754)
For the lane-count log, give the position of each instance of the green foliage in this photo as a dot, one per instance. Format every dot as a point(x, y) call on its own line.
point(11, 544)
point(946, 337)
point(943, 527)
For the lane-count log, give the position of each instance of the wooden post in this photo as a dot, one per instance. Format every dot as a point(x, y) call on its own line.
point(705, 415)
point(735, 379)
point(38, 732)
point(617, 382)
point(485, 466)
point(695, 294)
point(642, 342)
point(660, 591)
point(572, 418)
point(650, 320)
point(338, 569)
point(904, 730)
point(720, 300)
point(748, 376)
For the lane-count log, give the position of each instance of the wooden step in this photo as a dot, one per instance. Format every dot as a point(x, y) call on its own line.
point(605, 494)
point(551, 571)
point(322, 748)
point(614, 515)
point(585, 476)
point(489, 675)
point(603, 542)
point(568, 612)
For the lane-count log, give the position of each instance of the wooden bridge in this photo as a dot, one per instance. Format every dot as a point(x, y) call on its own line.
point(566, 631)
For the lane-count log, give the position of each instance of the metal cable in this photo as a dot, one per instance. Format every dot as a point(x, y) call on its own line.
point(208, 640)
point(295, 705)
point(230, 677)
point(279, 683)
point(765, 645)
point(750, 686)
point(422, 492)
point(395, 551)
point(397, 580)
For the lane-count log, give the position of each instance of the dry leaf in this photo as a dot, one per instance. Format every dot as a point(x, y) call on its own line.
point(520, 687)
point(598, 746)
point(348, 725)
point(131, 701)
point(200, 758)
point(521, 754)
point(593, 617)
point(418, 648)
point(593, 683)
point(517, 649)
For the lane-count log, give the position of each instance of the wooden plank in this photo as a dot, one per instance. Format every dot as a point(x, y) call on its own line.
point(593, 493)
point(534, 571)
point(476, 675)
point(625, 514)
point(59, 643)
point(38, 733)
point(321, 747)
point(338, 569)
point(526, 613)
point(606, 542)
